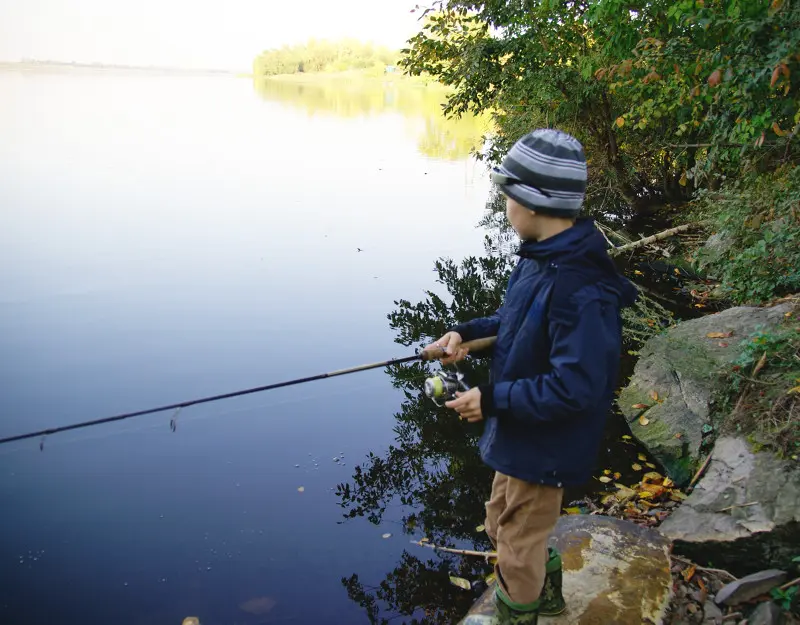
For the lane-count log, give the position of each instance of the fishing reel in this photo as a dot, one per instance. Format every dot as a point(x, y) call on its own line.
point(443, 385)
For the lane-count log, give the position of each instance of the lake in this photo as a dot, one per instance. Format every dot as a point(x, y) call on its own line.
point(165, 238)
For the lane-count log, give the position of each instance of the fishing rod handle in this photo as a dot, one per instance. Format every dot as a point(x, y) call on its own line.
point(476, 345)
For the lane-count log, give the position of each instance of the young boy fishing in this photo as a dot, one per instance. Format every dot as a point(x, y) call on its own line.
point(554, 367)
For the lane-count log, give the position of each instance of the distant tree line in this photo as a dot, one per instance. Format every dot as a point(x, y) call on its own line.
point(323, 56)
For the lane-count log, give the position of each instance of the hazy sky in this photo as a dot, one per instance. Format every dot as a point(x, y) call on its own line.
point(193, 33)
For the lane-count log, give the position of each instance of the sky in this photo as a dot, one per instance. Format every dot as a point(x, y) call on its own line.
point(224, 34)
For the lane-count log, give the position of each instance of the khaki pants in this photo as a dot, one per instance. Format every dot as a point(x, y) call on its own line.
point(519, 519)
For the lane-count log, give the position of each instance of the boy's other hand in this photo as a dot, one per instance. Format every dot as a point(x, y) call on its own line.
point(451, 343)
point(467, 405)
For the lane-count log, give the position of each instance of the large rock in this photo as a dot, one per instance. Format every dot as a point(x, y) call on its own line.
point(682, 366)
point(713, 526)
point(749, 587)
point(614, 572)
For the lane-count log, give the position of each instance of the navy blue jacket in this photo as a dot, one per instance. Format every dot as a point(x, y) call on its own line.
point(556, 360)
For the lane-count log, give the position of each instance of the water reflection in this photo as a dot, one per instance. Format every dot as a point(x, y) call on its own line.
point(419, 104)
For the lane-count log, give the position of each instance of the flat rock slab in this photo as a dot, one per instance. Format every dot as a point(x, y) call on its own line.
point(750, 587)
point(714, 525)
point(614, 572)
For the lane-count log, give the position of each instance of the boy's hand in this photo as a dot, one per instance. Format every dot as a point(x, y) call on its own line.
point(468, 405)
point(451, 343)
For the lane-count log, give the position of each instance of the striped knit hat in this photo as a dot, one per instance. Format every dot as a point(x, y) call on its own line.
point(545, 171)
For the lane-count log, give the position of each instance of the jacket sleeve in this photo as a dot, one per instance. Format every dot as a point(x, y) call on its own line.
point(579, 370)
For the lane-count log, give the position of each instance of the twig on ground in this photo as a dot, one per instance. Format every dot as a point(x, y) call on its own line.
point(739, 505)
point(705, 569)
point(790, 584)
point(653, 238)
point(699, 473)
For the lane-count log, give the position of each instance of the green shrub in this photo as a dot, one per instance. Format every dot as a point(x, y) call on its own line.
point(757, 220)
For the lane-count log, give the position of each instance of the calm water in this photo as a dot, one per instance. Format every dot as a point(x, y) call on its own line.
point(162, 239)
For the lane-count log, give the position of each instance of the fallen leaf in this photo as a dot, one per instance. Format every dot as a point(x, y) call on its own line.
point(490, 578)
point(617, 475)
point(652, 476)
point(604, 478)
point(424, 539)
point(626, 437)
point(460, 582)
point(677, 495)
point(645, 494)
point(642, 457)
point(788, 314)
point(480, 528)
point(668, 483)
point(701, 584)
point(606, 471)
point(654, 395)
point(654, 489)
point(650, 464)
point(722, 344)
point(386, 535)
point(719, 335)
point(678, 435)
point(760, 364)
point(301, 489)
point(573, 510)
point(608, 499)
point(636, 466)
point(640, 406)
point(796, 389)
point(688, 573)
point(643, 420)
point(636, 272)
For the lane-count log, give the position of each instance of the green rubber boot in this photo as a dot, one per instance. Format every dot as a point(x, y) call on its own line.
point(510, 613)
point(552, 599)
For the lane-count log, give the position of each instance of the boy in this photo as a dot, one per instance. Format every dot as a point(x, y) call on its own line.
point(554, 367)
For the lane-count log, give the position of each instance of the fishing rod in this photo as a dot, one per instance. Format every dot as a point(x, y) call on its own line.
point(435, 390)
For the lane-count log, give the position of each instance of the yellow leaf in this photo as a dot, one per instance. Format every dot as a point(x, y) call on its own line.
point(604, 478)
point(652, 476)
point(760, 364)
point(668, 483)
point(460, 582)
point(573, 510)
point(608, 499)
point(620, 122)
point(682, 181)
point(796, 389)
point(626, 437)
point(636, 466)
point(654, 395)
point(645, 494)
point(688, 573)
point(424, 539)
point(640, 406)
point(719, 335)
point(638, 273)
point(789, 314)
point(617, 475)
point(650, 464)
point(490, 578)
point(480, 528)
point(643, 420)
point(642, 457)
point(677, 495)
point(606, 471)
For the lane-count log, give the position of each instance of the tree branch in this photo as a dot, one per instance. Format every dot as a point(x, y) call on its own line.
point(652, 239)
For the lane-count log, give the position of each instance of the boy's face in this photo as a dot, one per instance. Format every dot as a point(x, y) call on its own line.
point(522, 219)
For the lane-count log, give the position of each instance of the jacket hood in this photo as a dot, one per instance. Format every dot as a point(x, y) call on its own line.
point(582, 249)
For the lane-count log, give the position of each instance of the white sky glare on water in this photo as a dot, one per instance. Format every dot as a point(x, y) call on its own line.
point(223, 34)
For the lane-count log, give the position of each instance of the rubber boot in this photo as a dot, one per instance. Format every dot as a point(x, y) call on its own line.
point(510, 613)
point(552, 599)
